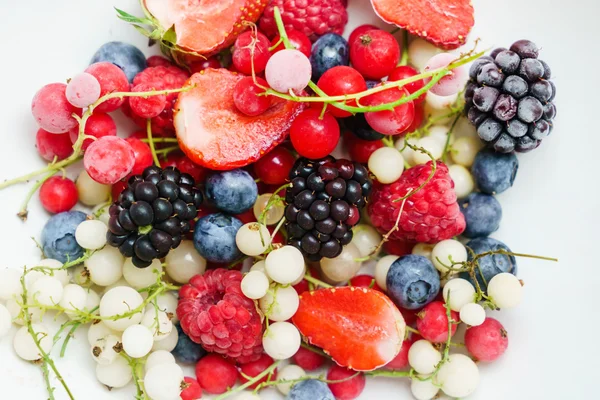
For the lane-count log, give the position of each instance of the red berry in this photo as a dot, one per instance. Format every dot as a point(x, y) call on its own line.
point(432, 322)
point(401, 360)
point(338, 81)
point(487, 341)
point(254, 368)
point(157, 61)
point(58, 194)
point(308, 360)
point(147, 107)
point(117, 188)
point(251, 46)
point(418, 119)
point(97, 125)
point(278, 238)
point(184, 164)
point(109, 159)
point(360, 150)
point(364, 281)
point(410, 316)
point(274, 167)
point(358, 31)
point(398, 247)
point(313, 137)
point(143, 155)
point(375, 54)
point(247, 216)
point(389, 122)
point(211, 62)
point(215, 374)
point(348, 389)
point(51, 109)
point(193, 391)
point(112, 79)
point(299, 40)
point(246, 96)
point(53, 145)
point(403, 72)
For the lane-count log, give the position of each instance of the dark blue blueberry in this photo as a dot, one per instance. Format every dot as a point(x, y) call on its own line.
point(330, 50)
point(358, 125)
point(187, 351)
point(494, 172)
point(124, 55)
point(232, 191)
point(214, 238)
point(491, 265)
point(310, 389)
point(412, 282)
point(372, 84)
point(482, 215)
point(58, 236)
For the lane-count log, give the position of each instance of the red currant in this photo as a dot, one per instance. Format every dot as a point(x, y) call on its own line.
point(278, 238)
point(112, 79)
point(254, 368)
point(98, 125)
point(274, 167)
point(246, 217)
point(360, 150)
point(375, 54)
point(365, 281)
point(398, 247)
point(418, 118)
point(53, 145)
point(314, 137)
point(308, 360)
point(251, 47)
point(487, 341)
point(193, 391)
point(246, 96)
point(109, 159)
point(298, 40)
point(432, 322)
point(184, 164)
point(58, 194)
point(158, 61)
point(388, 122)
point(350, 388)
point(143, 155)
point(147, 107)
point(359, 31)
point(211, 62)
point(401, 359)
point(117, 188)
point(410, 316)
point(215, 374)
point(338, 81)
point(403, 72)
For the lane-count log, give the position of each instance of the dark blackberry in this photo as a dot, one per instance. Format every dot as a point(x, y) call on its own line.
point(323, 203)
point(152, 213)
point(509, 98)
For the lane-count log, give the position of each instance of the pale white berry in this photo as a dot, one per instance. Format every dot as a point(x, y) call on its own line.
point(137, 341)
point(255, 285)
point(92, 300)
point(464, 127)
point(463, 180)
point(184, 262)
point(91, 234)
point(167, 302)
point(120, 282)
point(472, 314)
point(5, 321)
point(275, 212)
point(423, 249)
point(432, 145)
point(446, 252)
point(118, 301)
point(103, 349)
point(505, 290)
point(420, 51)
point(91, 193)
point(387, 164)
point(140, 278)
point(158, 322)
point(285, 265)
point(10, 283)
point(465, 149)
point(98, 331)
point(458, 376)
point(81, 276)
point(157, 358)
point(57, 272)
point(407, 152)
point(458, 292)
point(74, 298)
point(116, 374)
point(280, 303)
point(47, 291)
point(168, 343)
point(262, 267)
point(290, 372)
point(16, 312)
point(366, 239)
point(441, 104)
point(423, 390)
point(25, 346)
point(100, 212)
point(105, 266)
point(253, 239)
point(423, 357)
point(440, 133)
point(281, 340)
point(163, 382)
point(381, 269)
point(344, 266)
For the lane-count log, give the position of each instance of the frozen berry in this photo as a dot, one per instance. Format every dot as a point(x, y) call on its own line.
point(58, 194)
point(487, 341)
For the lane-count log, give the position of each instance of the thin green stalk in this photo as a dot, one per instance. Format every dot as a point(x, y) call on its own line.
point(151, 142)
point(315, 281)
point(23, 211)
point(250, 382)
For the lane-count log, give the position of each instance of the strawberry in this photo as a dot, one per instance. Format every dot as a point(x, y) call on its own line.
point(445, 23)
point(341, 320)
point(214, 134)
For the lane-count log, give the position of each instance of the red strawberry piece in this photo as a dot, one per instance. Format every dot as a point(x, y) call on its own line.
point(340, 320)
point(445, 23)
point(215, 135)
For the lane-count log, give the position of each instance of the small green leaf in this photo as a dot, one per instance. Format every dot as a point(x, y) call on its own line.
point(155, 34)
point(132, 18)
point(142, 30)
point(170, 36)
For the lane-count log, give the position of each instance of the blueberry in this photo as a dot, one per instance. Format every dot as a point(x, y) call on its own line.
point(124, 55)
point(494, 172)
point(330, 50)
point(491, 265)
point(58, 236)
point(412, 281)
point(232, 191)
point(186, 351)
point(310, 389)
point(214, 238)
point(482, 214)
point(359, 126)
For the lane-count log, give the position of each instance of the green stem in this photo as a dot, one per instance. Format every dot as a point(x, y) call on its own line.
point(46, 374)
point(390, 374)
point(161, 140)
point(151, 142)
point(450, 132)
point(412, 330)
point(23, 211)
point(250, 382)
point(315, 281)
point(314, 349)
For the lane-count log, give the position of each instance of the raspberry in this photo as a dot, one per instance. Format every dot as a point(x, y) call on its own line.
point(430, 215)
point(313, 18)
point(214, 312)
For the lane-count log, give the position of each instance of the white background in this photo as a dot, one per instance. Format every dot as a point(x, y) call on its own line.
point(551, 210)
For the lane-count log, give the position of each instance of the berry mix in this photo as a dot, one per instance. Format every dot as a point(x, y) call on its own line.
point(297, 209)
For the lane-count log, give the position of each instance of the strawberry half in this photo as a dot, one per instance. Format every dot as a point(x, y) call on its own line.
point(445, 23)
point(359, 328)
point(214, 134)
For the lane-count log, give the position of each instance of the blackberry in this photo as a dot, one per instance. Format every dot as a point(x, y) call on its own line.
point(323, 203)
point(509, 98)
point(152, 214)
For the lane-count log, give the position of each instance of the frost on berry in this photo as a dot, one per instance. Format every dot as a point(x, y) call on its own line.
point(51, 109)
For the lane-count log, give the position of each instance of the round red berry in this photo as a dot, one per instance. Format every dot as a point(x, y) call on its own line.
point(143, 155)
point(360, 30)
point(246, 96)
point(353, 216)
point(58, 194)
point(274, 167)
point(364, 281)
point(112, 79)
point(298, 40)
point(251, 47)
point(314, 137)
point(51, 109)
point(246, 217)
point(185, 165)
point(254, 368)
point(401, 359)
point(375, 54)
point(418, 118)
point(211, 62)
point(432, 322)
point(487, 341)
point(350, 388)
point(109, 159)
point(147, 107)
point(308, 360)
point(192, 391)
point(398, 247)
point(403, 72)
point(117, 188)
point(339, 81)
point(98, 125)
point(390, 122)
point(215, 374)
point(53, 145)
point(360, 150)
point(157, 61)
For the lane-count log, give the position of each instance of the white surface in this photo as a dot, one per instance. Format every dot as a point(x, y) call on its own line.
point(551, 210)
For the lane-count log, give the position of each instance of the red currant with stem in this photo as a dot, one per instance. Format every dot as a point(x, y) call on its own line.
point(251, 47)
point(98, 125)
point(53, 145)
point(390, 122)
point(143, 155)
point(366, 281)
point(112, 79)
point(487, 341)
point(246, 96)
point(401, 360)
point(403, 72)
point(360, 150)
point(314, 137)
point(147, 107)
point(375, 54)
point(254, 368)
point(274, 167)
point(298, 40)
point(193, 391)
point(215, 374)
point(338, 81)
point(350, 388)
point(308, 360)
point(58, 194)
point(360, 30)
point(432, 322)
point(211, 62)
point(109, 159)
point(51, 109)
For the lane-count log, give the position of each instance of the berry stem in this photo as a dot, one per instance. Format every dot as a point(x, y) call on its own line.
point(160, 140)
point(412, 330)
point(315, 281)
point(135, 365)
point(390, 374)
point(23, 211)
point(151, 142)
point(450, 132)
point(252, 381)
point(314, 349)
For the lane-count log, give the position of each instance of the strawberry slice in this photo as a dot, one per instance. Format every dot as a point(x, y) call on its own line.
point(445, 23)
point(215, 135)
point(359, 328)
